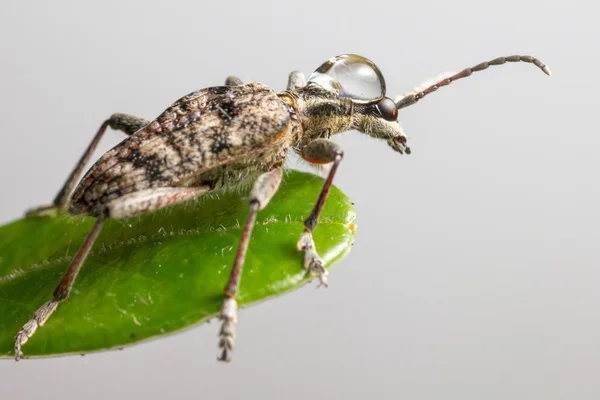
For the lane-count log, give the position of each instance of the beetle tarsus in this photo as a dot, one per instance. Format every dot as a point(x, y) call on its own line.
point(227, 332)
point(19, 342)
point(312, 262)
point(38, 320)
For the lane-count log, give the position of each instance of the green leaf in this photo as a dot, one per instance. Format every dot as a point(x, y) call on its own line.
point(161, 272)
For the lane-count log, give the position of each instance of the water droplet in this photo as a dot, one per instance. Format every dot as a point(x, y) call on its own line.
point(351, 76)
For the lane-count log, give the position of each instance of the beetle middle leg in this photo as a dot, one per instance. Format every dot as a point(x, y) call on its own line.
point(264, 188)
point(320, 151)
point(122, 122)
point(130, 205)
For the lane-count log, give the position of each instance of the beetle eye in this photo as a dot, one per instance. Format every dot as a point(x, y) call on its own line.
point(386, 109)
point(351, 76)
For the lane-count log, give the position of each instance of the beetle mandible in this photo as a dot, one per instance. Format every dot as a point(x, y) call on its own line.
point(224, 136)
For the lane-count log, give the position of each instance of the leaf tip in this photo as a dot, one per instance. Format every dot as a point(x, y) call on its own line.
point(353, 228)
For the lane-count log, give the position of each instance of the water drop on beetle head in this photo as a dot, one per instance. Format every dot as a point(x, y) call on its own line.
point(351, 76)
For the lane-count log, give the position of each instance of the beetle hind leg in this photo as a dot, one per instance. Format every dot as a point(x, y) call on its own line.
point(126, 206)
point(61, 292)
point(149, 200)
point(122, 122)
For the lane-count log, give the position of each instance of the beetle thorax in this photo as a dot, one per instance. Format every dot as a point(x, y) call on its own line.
point(321, 112)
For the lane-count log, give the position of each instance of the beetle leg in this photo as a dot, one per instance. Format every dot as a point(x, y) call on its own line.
point(264, 188)
point(124, 207)
point(123, 122)
point(149, 200)
point(320, 151)
point(233, 81)
point(129, 124)
point(62, 291)
point(296, 80)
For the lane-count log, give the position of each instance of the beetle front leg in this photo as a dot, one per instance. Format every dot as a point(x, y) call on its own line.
point(122, 122)
point(264, 188)
point(320, 151)
point(296, 80)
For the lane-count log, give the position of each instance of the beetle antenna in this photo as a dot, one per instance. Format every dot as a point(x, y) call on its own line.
point(411, 98)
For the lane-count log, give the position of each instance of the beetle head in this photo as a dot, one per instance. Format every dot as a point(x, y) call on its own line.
point(359, 80)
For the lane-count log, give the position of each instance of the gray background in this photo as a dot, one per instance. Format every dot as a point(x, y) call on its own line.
point(475, 271)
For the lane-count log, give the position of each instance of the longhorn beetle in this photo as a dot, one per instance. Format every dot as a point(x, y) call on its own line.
point(224, 136)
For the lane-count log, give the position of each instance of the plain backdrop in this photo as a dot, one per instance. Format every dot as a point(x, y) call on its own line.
point(475, 273)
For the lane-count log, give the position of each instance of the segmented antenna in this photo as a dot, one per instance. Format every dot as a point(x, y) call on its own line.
point(412, 98)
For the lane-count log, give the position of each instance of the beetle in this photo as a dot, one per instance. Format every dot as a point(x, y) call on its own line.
point(224, 136)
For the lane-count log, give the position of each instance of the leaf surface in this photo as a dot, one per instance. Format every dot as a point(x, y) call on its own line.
point(158, 273)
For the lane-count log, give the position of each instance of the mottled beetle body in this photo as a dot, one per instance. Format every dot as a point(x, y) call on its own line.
point(212, 137)
point(227, 136)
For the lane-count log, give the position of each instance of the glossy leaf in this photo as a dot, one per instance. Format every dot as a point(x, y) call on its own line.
point(158, 273)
